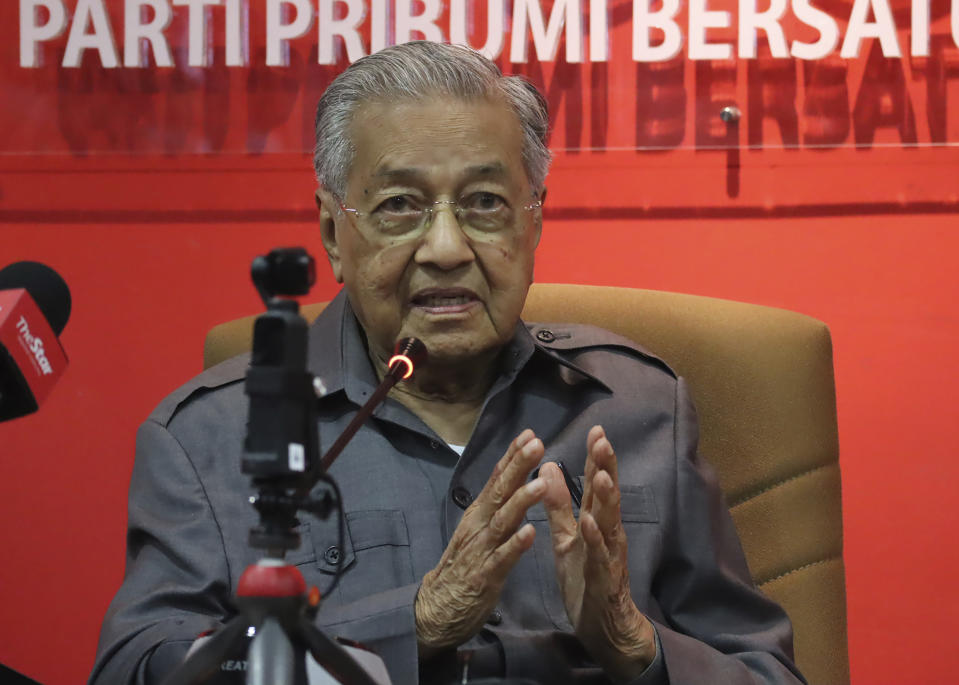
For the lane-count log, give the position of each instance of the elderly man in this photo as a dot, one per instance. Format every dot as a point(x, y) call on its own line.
point(462, 535)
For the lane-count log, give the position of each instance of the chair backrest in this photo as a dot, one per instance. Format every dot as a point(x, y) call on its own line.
point(762, 381)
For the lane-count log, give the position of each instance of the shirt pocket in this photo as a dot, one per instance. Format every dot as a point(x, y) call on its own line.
point(640, 521)
point(374, 555)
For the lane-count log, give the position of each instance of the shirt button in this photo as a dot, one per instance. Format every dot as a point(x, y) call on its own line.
point(462, 497)
point(545, 336)
point(495, 618)
point(332, 555)
point(435, 445)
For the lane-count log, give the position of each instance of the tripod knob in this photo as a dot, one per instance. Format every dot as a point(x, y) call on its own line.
point(271, 578)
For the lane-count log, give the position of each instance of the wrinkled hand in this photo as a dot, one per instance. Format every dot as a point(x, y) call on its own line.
point(457, 596)
point(592, 566)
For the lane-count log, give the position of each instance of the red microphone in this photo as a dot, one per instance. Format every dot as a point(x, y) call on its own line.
point(34, 308)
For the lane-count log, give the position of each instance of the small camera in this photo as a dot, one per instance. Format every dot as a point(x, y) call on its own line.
point(280, 450)
point(286, 271)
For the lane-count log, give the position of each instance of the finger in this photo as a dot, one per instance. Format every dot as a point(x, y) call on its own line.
point(604, 457)
point(505, 481)
point(556, 501)
point(502, 484)
point(606, 504)
point(514, 447)
point(595, 433)
point(501, 561)
point(506, 519)
point(596, 572)
point(605, 575)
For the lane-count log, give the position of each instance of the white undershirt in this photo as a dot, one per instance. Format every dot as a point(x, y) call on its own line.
point(459, 449)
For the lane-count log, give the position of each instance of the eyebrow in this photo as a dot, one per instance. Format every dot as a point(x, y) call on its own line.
point(489, 169)
point(486, 169)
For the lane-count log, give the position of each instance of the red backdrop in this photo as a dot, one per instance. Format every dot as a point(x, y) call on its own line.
point(156, 248)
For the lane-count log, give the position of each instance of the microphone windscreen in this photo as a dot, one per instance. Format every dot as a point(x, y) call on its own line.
point(45, 286)
point(412, 348)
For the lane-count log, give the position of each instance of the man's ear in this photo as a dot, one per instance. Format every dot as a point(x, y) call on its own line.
point(327, 205)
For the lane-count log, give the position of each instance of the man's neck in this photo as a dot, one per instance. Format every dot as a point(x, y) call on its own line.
point(448, 398)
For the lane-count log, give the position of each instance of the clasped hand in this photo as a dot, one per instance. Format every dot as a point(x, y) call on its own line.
point(457, 596)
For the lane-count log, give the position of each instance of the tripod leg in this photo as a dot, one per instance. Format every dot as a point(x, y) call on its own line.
point(331, 656)
point(205, 661)
point(270, 659)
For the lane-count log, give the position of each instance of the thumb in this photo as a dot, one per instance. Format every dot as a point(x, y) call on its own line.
point(559, 508)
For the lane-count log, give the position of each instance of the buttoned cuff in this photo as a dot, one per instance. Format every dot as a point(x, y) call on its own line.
point(655, 673)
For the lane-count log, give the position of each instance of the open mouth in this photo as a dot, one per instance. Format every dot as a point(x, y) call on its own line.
point(441, 300)
point(444, 300)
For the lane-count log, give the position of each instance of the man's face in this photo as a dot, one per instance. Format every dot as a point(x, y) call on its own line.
point(458, 288)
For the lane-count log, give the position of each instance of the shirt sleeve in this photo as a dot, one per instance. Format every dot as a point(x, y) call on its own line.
point(177, 583)
point(655, 673)
point(711, 624)
point(718, 627)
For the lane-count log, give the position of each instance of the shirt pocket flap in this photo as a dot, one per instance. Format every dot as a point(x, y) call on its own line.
point(377, 528)
point(637, 505)
point(331, 555)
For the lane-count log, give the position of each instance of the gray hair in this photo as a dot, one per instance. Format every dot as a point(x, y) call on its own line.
point(415, 70)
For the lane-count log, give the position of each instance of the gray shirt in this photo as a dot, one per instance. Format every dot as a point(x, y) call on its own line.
point(405, 490)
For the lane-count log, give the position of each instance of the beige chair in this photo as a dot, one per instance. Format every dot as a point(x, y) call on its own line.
point(762, 380)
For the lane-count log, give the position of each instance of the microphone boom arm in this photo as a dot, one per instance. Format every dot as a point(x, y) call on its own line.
point(410, 352)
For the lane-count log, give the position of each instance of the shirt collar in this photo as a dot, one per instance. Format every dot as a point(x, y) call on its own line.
point(337, 354)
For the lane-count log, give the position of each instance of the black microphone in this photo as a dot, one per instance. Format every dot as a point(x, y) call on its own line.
point(408, 353)
point(34, 307)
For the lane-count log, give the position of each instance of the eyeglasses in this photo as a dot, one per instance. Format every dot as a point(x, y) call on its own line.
point(400, 215)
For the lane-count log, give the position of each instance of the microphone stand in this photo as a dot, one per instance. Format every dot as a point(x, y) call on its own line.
point(280, 452)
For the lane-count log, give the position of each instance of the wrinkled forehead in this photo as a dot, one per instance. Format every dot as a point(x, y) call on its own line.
point(427, 139)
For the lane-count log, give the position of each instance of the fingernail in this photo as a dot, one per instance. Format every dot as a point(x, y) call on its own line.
point(524, 437)
point(588, 525)
point(536, 487)
point(530, 447)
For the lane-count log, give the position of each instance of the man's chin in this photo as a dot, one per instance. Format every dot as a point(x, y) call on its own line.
point(461, 348)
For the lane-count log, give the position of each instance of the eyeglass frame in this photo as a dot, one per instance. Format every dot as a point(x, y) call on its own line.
point(429, 210)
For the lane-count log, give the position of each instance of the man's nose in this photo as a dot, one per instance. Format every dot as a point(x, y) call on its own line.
point(444, 243)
